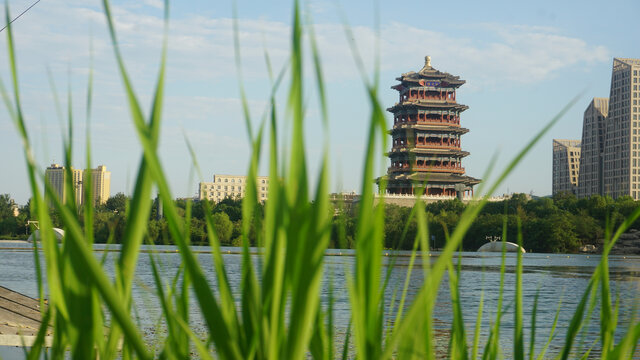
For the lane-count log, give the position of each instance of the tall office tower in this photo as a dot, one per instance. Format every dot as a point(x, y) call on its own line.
point(566, 164)
point(621, 152)
point(100, 184)
point(426, 136)
point(231, 186)
point(592, 150)
point(55, 175)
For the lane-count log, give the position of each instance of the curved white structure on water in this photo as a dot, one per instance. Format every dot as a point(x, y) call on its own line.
point(496, 246)
point(59, 233)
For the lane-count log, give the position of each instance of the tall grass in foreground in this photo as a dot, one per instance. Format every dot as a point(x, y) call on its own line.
point(279, 314)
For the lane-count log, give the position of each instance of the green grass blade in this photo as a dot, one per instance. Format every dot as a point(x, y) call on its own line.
point(476, 332)
point(518, 336)
point(347, 339)
point(457, 340)
point(576, 322)
point(86, 260)
point(36, 348)
point(628, 346)
point(532, 329)
point(552, 332)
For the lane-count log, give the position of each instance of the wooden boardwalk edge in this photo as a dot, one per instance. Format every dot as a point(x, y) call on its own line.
point(20, 319)
point(23, 340)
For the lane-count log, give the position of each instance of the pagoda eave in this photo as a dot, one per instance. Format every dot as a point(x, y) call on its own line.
point(443, 128)
point(427, 151)
point(436, 177)
point(436, 151)
point(421, 104)
point(414, 77)
point(431, 178)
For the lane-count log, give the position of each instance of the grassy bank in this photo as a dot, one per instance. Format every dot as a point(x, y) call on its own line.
point(278, 314)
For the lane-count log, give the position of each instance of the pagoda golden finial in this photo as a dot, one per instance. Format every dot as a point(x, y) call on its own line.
point(427, 61)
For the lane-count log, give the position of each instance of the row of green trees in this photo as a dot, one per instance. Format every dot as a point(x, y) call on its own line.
point(109, 220)
point(559, 224)
point(12, 226)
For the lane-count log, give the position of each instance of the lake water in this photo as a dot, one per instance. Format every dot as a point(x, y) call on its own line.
point(560, 281)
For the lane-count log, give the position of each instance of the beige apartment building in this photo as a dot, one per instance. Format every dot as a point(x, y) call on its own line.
point(566, 165)
point(55, 175)
point(100, 184)
point(231, 186)
point(621, 150)
point(590, 177)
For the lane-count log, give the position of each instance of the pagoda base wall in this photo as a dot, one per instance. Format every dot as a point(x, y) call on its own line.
point(409, 201)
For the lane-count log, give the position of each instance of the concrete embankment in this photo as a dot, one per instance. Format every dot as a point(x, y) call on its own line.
point(628, 243)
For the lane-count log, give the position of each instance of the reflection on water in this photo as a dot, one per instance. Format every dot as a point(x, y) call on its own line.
point(559, 281)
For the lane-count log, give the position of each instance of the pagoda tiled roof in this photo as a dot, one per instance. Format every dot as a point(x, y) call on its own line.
point(422, 104)
point(426, 151)
point(440, 151)
point(430, 73)
point(440, 177)
point(434, 178)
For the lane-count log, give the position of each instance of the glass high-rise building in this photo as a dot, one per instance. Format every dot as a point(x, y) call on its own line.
point(566, 165)
point(621, 148)
point(590, 179)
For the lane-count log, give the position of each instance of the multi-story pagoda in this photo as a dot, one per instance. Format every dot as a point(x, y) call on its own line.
point(426, 135)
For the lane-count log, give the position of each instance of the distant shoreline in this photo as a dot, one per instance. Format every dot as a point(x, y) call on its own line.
point(17, 241)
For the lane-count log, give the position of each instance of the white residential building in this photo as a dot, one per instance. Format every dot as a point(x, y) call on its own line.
point(231, 186)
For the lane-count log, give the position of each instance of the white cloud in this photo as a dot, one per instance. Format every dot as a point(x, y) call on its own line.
point(158, 4)
point(201, 49)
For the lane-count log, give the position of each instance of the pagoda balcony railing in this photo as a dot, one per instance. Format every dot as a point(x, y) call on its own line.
point(429, 98)
point(442, 169)
point(452, 122)
point(436, 145)
point(390, 195)
point(406, 147)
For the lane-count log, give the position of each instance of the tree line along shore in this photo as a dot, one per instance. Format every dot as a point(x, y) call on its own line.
point(561, 224)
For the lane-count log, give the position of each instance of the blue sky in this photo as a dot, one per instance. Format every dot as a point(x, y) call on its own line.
point(522, 61)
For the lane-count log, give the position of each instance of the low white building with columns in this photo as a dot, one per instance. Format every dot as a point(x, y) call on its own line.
point(231, 186)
